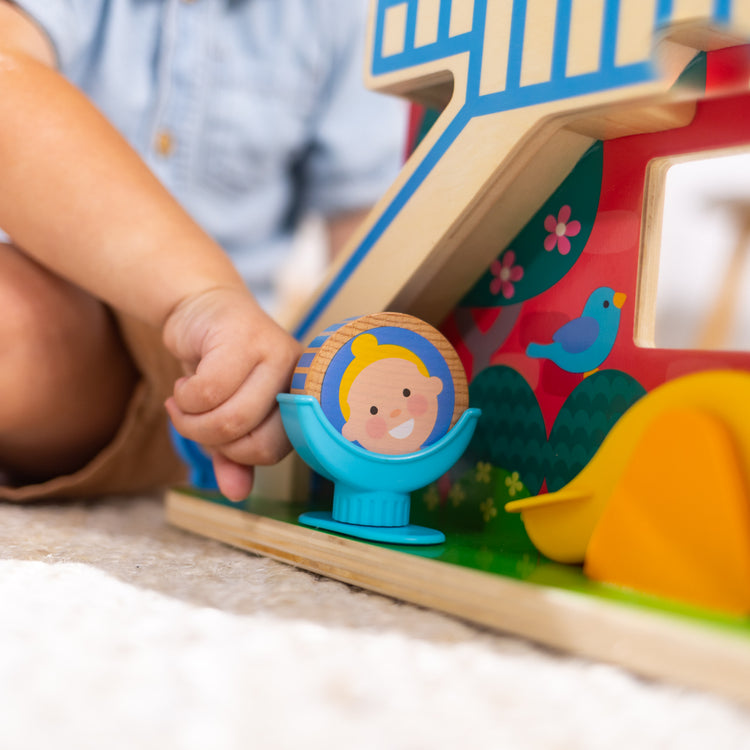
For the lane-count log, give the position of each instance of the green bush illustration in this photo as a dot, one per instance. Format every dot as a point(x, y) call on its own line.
point(584, 420)
point(510, 434)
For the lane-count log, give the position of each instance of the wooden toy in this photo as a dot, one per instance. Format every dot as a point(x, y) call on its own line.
point(354, 369)
point(538, 194)
point(378, 405)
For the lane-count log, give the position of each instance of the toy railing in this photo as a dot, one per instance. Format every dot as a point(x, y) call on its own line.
point(526, 52)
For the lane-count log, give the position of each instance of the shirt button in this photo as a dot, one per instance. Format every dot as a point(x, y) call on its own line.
point(164, 143)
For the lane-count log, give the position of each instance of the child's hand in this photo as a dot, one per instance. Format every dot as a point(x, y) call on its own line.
point(236, 359)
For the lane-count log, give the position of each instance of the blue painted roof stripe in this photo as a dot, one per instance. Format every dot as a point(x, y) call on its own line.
point(723, 10)
point(478, 22)
point(664, 10)
point(515, 51)
point(411, 25)
point(569, 87)
point(609, 35)
point(562, 39)
point(419, 55)
point(444, 19)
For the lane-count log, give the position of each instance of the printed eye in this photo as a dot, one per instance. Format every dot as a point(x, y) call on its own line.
point(373, 410)
point(605, 303)
point(406, 392)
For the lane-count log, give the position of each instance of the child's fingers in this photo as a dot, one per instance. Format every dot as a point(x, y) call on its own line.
point(235, 480)
point(235, 417)
point(264, 446)
point(215, 380)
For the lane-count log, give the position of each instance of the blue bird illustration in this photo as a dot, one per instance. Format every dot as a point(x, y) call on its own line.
point(582, 344)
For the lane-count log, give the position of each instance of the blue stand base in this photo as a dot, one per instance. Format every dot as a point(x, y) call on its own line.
point(408, 534)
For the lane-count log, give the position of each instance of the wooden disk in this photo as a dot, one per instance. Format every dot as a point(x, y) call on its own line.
point(388, 381)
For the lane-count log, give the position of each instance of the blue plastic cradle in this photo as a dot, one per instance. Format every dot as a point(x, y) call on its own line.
point(371, 498)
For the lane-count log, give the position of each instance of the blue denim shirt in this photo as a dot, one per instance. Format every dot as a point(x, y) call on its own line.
point(249, 111)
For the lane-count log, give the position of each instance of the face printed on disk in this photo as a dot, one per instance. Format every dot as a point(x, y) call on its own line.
point(392, 405)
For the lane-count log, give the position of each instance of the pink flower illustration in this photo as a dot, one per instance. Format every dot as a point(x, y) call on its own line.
point(559, 230)
point(505, 274)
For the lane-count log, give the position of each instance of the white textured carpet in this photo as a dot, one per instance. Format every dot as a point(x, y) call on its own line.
point(117, 631)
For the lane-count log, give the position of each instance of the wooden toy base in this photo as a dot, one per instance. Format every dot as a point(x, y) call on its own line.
point(547, 602)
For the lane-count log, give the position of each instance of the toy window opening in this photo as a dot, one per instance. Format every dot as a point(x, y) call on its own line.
point(694, 277)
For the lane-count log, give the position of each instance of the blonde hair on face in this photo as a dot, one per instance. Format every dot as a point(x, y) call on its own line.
point(366, 350)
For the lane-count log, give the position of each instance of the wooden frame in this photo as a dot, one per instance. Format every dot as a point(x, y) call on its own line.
point(524, 104)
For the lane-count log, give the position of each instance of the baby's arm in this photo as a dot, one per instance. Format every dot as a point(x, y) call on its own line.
point(79, 200)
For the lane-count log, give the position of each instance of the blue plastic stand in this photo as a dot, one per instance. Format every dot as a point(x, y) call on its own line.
point(408, 534)
point(371, 490)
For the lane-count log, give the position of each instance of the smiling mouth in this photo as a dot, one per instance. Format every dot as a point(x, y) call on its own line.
point(403, 430)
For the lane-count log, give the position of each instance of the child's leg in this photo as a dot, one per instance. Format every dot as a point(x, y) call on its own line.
point(65, 376)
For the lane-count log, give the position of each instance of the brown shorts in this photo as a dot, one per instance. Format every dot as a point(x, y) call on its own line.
point(140, 456)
